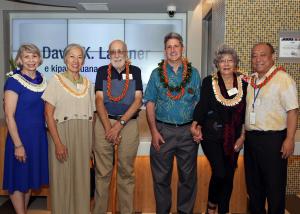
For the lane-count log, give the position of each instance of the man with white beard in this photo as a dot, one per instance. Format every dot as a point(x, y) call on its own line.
point(118, 89)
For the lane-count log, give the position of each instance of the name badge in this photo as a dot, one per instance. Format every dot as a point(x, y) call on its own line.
point(124, 76)
point(252, 118)
point(232, 91)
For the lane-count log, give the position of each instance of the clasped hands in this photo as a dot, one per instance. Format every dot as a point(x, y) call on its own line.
point(196, 132)
point(197, 136)
point(113, 134)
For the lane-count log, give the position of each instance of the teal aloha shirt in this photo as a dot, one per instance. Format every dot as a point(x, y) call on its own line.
point(169, 110)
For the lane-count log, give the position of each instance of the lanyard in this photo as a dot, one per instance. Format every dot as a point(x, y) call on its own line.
point(255, 97)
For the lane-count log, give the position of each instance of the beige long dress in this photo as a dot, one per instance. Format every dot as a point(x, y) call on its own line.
point(70, 180)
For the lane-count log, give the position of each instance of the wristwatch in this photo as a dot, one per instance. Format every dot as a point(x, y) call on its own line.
point(123, 122)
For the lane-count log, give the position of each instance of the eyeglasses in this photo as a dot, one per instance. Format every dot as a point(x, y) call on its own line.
point(117, 52)
point(226, 61)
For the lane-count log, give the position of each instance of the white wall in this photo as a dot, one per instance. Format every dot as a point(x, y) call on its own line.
point(194, 36)
point(194, 21)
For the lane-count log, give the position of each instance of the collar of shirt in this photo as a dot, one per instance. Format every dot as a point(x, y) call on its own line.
point(116, 74)
point(265, 76)
point(70, 77)
point(179, 70)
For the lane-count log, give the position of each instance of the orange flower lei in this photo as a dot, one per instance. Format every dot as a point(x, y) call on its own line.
point(186, 75)
point(268, 78)
point(109, 86)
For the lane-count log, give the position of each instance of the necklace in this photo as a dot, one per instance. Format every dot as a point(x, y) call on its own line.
point(267, 79)
point(79, 94)
point(109, 85)
point(186, 77)
point(29, 85)
point(218, 95)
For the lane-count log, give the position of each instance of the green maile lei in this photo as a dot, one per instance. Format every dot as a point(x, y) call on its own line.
point(186, 74)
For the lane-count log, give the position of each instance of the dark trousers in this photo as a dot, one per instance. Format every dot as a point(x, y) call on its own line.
point(221, 181)
point(266, 171)
point(178, 143)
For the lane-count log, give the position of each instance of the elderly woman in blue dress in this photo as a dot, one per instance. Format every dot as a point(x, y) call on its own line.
point(26, 154)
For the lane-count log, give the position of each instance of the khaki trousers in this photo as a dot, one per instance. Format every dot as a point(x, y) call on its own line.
point(104, 153)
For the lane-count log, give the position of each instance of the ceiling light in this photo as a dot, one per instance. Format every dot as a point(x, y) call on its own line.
point(94, 6)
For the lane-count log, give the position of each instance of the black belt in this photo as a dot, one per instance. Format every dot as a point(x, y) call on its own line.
point(174, 124)
point(118, 117)
point(270, 132)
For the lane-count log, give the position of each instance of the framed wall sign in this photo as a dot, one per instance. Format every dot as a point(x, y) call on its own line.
point(289, 47)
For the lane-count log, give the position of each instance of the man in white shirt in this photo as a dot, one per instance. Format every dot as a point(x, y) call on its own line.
point(271, 123)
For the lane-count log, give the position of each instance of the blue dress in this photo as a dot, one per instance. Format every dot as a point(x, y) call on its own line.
point(30, 120)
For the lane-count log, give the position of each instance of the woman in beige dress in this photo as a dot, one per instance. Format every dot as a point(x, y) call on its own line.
point(69, 114)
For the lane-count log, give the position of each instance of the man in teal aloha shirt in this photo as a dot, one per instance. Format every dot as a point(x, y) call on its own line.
point(171, 96)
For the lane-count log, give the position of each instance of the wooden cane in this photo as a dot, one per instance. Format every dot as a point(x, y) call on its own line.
point(114, 180)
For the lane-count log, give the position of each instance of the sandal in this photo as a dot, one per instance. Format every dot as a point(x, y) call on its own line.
point(211, 208)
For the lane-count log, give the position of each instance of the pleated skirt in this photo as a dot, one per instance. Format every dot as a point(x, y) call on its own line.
point(70, 180)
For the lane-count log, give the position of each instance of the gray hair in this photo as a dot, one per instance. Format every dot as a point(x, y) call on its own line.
point(30, 48)
point(173, 35)
point(225, 49)
point(118, 40)
point(70, 47)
